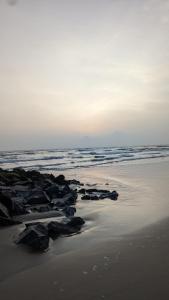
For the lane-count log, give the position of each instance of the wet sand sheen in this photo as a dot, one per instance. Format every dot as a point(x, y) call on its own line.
point(113, 257)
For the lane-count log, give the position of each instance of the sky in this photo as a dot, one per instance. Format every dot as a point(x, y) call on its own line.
point(83, 73)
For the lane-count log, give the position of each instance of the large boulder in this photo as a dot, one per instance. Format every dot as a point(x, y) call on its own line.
point(35, 236)
point(56, 229)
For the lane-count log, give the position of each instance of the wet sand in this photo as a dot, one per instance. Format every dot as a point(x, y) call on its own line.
point(122, 252)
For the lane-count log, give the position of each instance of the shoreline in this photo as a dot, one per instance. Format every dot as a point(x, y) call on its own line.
point(122, 249)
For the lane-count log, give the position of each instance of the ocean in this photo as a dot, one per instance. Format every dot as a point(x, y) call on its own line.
point(65, 159)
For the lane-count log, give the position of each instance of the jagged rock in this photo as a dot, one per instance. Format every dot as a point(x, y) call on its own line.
point(36, 236)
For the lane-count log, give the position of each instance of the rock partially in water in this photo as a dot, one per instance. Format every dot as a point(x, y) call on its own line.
point(35, 236)
point(76, 222)
point(96, 194)
point(56, 229)
point(111, 195)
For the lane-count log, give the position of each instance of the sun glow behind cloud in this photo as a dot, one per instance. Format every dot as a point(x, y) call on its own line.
point(84, 68)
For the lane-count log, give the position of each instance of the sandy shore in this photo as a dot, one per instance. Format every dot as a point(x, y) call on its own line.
point(122, 252)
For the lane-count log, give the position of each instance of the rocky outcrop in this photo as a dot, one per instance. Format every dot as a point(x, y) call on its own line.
point(36, 235)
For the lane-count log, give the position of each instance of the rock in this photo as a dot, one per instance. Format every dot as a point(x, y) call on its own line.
point(111, 195)
point(35, 236)
point(82, 191)
point(69, 211)
point(71, 198)
point(85, 197)
point(60, 179)
point(37, 197)
point(76, 222)
point(52, 191)
point(94, 197)
point(55, 229)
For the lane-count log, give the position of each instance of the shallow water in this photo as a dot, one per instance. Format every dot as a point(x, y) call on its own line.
point(143, 200)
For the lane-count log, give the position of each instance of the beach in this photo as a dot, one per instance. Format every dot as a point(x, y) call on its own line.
point(121, 253)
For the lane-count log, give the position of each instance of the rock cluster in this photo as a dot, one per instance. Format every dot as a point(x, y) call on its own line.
point(31, 192)
point(23, 192)
point(97, 194)
point(36, 235)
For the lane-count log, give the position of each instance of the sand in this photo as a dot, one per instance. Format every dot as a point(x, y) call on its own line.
point(122, 252)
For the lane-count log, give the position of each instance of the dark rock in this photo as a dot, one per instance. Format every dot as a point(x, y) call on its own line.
point(60, 179)
point(82, 191)
point(90, 191)
point(37, 197)
point(55, 229)
point(114, 195)
point(20, 172)
point(76, 222)
point(52, 191)
point(35, 236)
point(94, 197)
point(19, 208)
point(85, 197)
point(111, 195)
point(71, 198)
point(34, 175)
point(69, 211)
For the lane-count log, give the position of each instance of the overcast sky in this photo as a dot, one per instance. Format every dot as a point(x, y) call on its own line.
point(83, 73)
